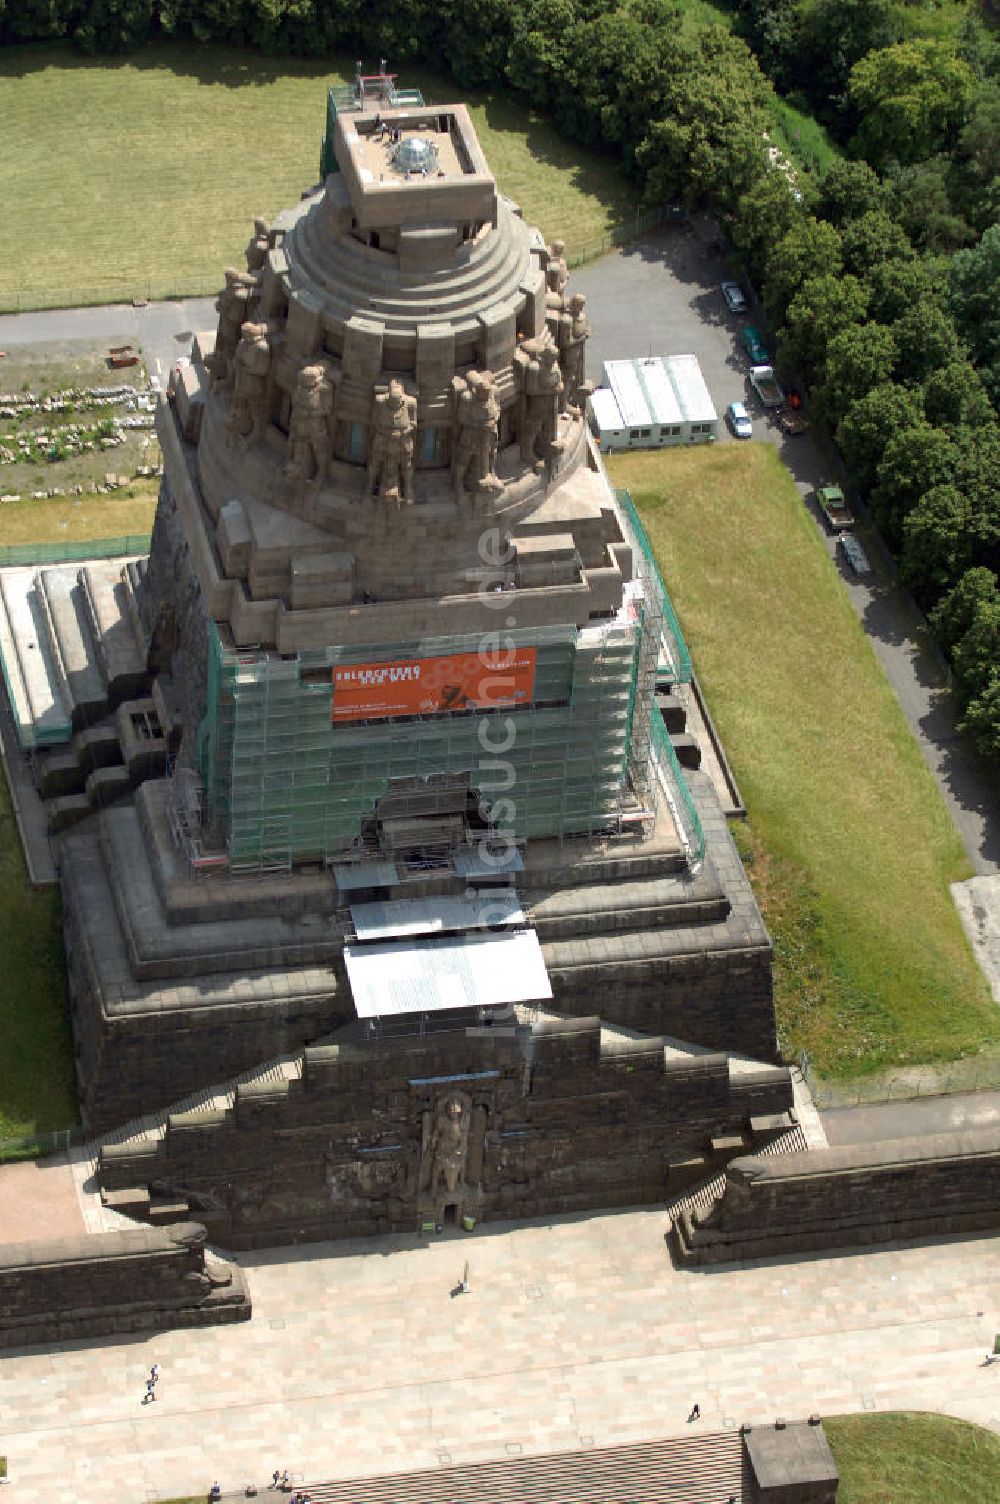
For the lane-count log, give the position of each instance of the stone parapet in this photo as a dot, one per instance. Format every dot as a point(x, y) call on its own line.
point(138, 1280)
point(854, 1196)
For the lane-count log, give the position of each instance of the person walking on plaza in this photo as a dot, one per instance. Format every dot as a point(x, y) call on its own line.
point(695, 1413)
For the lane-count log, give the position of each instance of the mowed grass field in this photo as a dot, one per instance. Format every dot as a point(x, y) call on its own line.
point(142, 174)
point(850, 846)
point(906, 1455)
point(36, 1084)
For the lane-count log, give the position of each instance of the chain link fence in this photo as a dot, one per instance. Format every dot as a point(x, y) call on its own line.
point(99, 294)
point(22, 554)
point(41, 1145)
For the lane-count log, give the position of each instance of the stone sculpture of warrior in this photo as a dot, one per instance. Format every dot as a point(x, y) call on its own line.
point(477, 421)
point(574, 329)
point(258, 246)
point(541, 389)
point(446, 1142)
point(311, 427)
point(390, 461)
point(557, 272)
point(232, 306)
point(251, 401)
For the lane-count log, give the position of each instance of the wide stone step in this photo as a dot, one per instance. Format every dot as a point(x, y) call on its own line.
point(629, 906)
point(66, 609)
point(705, 1469)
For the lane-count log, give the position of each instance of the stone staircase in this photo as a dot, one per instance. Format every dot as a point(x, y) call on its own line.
point(698, 1200)
point(696, 1469)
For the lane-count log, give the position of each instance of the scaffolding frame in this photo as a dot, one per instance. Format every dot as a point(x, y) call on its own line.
point(284, 784)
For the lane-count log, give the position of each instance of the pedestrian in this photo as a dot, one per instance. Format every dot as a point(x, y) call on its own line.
point(154, 1372)
point(695, 1413)
point(151, 1389)
point(286, 1482)
point(277, 1478)
point(215, 1492)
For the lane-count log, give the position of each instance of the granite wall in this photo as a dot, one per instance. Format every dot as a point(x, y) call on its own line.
point(855, 1196)
point(138, 1280)
point(393, 1136)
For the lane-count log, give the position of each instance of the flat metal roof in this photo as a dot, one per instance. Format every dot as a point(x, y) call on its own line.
point(604, 406)
point(623, 379)
point(353, 875)
point(431, 975)
point(435, 916)
point(658, 389)
point(489, 860)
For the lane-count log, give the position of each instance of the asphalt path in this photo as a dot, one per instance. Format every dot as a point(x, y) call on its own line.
point(661, 296)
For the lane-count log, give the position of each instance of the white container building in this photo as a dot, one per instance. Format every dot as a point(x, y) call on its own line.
point(643, 404)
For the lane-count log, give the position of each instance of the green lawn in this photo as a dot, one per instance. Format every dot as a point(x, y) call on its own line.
point(143, 173)
point(850, 845)
point(909, 1457)
point(36, 1084)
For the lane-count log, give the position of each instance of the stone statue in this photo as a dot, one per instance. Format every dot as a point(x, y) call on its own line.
point(258, 247)
point(477, 418)
point(445, 1144)
point(390, 458)
point(232, 305)
point(251, 406)
point(311, 428)
point(541, 388)
point(557, 272)
point(574, 329)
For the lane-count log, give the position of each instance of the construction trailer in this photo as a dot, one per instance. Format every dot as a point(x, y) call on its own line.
point(644, 404)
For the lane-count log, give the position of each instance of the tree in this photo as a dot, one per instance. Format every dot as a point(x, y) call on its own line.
point(982, 719)
point(871, 238)
point(858, 359)
point(862, 433)
point(811, 248)
point(937, 548)
point(834, 34)
point(974, 300)
point(977, 158)
point(764, 213)
point(924, 208)
point(952, 617)
point(895, 286)
point(914, 460)
point(849, 189)
point(822, 308)
point(708, 145)
point(977, 653)
point(925, 338)
point(954, 397)
point(911, 98)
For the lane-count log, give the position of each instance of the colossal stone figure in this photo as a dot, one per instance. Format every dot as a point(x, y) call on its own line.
point(541, 389)
point(311, 426)
point(445, 1145)
point(557, 272)
point(252, 363)
point(477, 419)
point(232, 305)
point(574, 330)
point(258, 247)
point(390, 462)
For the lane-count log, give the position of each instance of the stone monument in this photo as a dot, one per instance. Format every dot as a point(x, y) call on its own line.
point(389, 893)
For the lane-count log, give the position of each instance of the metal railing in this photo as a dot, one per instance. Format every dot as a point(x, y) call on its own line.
point(622, 234)
point(41, 1145)
point(691, 833)
point(74, 553)
point(905, 1084)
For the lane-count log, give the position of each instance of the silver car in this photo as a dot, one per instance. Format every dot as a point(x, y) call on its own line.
point(733, 294)
point(739, 420)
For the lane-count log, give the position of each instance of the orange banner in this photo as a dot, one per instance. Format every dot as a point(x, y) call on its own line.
point(432, 686)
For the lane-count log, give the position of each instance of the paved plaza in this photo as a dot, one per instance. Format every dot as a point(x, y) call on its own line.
point(579, 1333)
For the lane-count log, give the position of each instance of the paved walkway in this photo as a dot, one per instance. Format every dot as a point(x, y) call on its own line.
point(574, 1334)
point(876, 1121)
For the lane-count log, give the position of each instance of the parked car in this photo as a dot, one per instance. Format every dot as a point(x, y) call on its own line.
point(854, 553)
point(739, 420)
point(754, 345)
point(836, 512)
point(793, 423)
point(733, 294)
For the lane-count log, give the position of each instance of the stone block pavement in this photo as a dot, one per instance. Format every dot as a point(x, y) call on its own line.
point(577, 1333)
